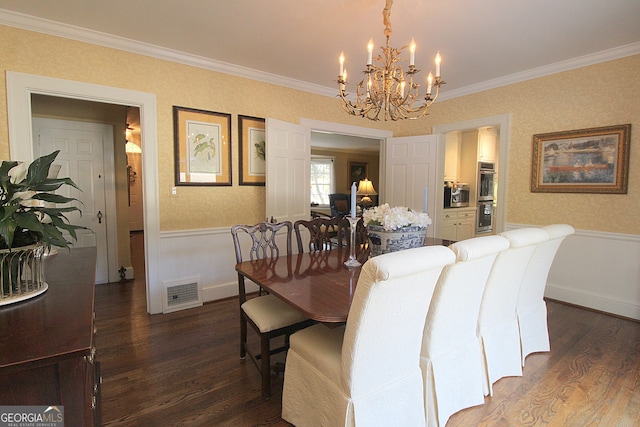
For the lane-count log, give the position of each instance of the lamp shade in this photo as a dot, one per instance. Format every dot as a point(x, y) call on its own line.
point(130, 147)
point(365, 188)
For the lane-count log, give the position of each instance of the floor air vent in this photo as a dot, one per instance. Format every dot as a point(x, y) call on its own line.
point(180, 295)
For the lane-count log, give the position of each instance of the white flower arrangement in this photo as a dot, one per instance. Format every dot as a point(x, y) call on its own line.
point(393, 218)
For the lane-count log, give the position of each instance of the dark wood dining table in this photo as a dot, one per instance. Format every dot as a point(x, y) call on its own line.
point(316, 283)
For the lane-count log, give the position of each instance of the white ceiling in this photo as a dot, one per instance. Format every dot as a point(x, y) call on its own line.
point(481, 42)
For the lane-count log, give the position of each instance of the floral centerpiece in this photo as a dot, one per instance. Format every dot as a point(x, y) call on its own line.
point(395, 228)
point(30, 221)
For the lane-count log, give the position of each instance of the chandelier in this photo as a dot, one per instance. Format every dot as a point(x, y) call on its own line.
point(388, 92)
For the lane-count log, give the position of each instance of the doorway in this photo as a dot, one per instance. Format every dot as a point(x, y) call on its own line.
point(21, 86)
point(500, 124)
point(360, 138)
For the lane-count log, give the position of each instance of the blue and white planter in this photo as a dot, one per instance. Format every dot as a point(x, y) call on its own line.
point(382, 241)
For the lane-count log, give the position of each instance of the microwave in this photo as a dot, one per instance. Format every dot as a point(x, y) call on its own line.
point(456, 195)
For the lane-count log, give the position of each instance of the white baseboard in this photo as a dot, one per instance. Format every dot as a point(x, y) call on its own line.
point(594, 301)
point(224, 290)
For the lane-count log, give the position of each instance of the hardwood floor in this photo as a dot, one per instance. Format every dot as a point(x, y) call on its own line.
point(183, 369)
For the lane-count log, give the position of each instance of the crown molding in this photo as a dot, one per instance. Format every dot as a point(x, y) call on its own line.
point(558, 67)
point(45, 26)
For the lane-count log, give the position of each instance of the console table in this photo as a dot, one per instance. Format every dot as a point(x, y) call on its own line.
point(47, 344)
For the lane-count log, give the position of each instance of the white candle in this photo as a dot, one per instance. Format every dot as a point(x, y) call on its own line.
point(341, 64)
point(353, 200)
point(438, 61)
point(429, 83)
point(412, 48)
point(426, 198)
point(370, 52)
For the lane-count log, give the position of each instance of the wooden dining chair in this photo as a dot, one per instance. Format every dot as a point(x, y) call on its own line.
point(267, 315)
point(321, 234)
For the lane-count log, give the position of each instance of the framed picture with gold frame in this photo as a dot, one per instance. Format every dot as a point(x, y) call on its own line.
point(202, 141)
point(592, 160)
point(252, 150)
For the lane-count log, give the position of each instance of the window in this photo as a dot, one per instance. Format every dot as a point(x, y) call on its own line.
point(322, 179)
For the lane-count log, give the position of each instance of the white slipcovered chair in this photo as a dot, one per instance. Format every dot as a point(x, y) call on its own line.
point(532, 309)
point(497, 322)
point(451, 360)
point(367, 372)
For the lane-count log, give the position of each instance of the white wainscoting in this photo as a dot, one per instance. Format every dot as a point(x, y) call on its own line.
point(207, 253)
point(597, 270)
point(592, 269)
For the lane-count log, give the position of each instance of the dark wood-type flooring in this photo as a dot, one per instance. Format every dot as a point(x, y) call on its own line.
point(183, 369)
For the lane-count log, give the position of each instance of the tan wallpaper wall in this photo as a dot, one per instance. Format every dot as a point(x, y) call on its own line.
point(599, 95)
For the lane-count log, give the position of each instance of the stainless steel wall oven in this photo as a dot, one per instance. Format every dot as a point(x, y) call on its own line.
point(486, 174)
point(486, 188)
point(485, 217)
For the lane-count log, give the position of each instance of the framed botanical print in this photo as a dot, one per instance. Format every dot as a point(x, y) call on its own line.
point(592, 160)
point(252, 150)
point(202, 142)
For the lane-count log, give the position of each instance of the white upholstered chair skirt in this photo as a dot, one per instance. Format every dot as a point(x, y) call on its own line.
point(532, 309)
point(368, 372)
point(497, 322)
point(451, 359)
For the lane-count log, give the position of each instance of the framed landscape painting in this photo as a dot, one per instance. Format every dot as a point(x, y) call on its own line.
point(252, 150)
point(202, 141)
point(592, 160)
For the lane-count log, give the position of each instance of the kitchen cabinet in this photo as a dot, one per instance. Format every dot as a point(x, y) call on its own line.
point(487, 144)
point(457, 224)
point(47, 351)
point(452, 156)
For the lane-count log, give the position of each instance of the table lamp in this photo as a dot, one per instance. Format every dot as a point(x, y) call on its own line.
point(365, 189)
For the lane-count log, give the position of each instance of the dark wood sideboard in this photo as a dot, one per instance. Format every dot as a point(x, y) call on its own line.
point(47, 344)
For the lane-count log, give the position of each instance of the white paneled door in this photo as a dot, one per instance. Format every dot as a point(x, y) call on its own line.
point(411, 164)
point(82, 158)
point(288, 148)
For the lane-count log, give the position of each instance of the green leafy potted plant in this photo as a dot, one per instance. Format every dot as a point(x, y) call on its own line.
point(30, 221)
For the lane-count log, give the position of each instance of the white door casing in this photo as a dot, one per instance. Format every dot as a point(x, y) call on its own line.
point(411, 164)
point(21, 86)
point(288, 150)
point(84, 149)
